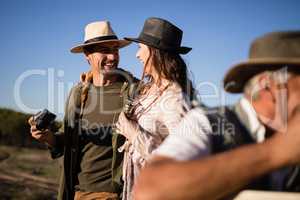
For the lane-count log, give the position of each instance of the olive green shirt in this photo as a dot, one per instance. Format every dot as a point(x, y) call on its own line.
point(102, 108)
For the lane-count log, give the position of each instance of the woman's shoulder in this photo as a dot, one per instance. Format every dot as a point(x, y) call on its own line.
point(172, 87)
point(173, 90)
point(173, 95)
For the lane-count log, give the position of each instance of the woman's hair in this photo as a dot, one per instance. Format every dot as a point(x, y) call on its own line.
point(171, 66)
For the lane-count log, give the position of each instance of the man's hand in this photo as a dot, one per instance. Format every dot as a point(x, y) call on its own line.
point(45, 136)
point(287, 145)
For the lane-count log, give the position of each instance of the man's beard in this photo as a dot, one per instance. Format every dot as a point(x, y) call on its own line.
point(107, 68)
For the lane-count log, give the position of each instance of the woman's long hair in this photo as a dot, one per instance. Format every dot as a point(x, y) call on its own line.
point(171, 66)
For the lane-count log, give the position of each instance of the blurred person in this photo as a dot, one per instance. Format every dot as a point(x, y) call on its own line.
point(256, 141)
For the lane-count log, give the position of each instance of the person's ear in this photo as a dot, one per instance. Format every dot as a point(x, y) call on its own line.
point(268, 86)
point(264, 82)
point(88, 58)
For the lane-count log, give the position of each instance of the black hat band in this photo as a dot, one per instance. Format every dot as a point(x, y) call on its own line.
point(101, 38)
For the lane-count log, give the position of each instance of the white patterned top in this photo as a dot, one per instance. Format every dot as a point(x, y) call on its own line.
point(161, 113)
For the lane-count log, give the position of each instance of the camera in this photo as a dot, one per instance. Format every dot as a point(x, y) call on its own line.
point(44, 120)
point(129, 103)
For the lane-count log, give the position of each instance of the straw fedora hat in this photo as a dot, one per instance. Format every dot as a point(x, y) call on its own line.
point(267, 53)
point(99, 32)
point(161, 34)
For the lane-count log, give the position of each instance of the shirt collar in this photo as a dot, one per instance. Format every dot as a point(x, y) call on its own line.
point(249, 119)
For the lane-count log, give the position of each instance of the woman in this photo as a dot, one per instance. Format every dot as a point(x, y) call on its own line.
point(162, 101)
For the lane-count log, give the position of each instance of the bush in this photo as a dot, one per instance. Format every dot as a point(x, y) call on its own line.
point(14, 129)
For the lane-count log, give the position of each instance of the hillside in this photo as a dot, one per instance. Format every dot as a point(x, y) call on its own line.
point(27, 174)
point(26, 169)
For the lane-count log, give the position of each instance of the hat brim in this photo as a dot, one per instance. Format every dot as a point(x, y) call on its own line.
point(180, 50)
point(118, 43)
point(236, 78)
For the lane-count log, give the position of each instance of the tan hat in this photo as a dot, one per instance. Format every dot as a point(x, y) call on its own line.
point(269, 52)
point(99, 33)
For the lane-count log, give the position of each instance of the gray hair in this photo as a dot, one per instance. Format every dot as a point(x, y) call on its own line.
point(252, 87)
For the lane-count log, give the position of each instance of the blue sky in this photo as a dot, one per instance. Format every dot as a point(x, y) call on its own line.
point(37, 35)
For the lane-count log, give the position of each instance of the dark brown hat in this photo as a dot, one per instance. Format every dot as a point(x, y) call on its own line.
point(267, 53)
point(161, 34)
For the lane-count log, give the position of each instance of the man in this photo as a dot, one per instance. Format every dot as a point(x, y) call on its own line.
point(91, 166)
point(265, 128)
